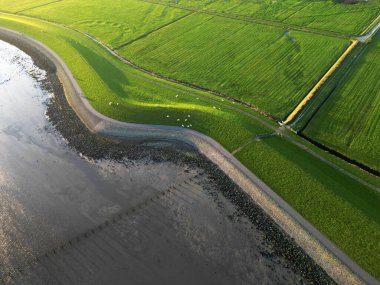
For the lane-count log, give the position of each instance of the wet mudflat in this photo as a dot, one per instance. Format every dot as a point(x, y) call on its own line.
point(77, 209)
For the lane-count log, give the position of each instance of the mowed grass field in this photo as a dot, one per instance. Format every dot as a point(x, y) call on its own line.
point(21, 5)
point(135, 97)
point(333, 16)
point(343, 209)
point(349, 122)
point(265, 66)
point(268, 67)
point(113, 23)
point(321, 14)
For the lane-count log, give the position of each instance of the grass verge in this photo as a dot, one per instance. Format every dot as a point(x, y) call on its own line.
point(336, 204)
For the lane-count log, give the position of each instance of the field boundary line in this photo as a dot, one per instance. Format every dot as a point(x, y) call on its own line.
point(42, 5)
point(296, 11)
point(152, 73)
point(312, 92)
point(341, 155)
point(325, 253)
point(243, 104)
point(256, 20)
point(337, 85)
point(371, 25)
point(153, 31)
point(176, 81)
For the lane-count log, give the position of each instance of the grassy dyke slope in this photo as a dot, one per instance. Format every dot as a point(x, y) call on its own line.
point(331, 204)
point(119, 91)
point(345, 207)
point(349, 122)
point(264, 66)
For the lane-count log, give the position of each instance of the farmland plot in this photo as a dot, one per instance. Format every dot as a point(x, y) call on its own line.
point(112, 24)
point(349, 122)
point(351, 19)
point(121, 92)
point(21, 5)
point(268, 67)
point(322, 14)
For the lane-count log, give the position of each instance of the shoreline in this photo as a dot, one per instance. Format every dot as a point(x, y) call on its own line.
point(337, 265)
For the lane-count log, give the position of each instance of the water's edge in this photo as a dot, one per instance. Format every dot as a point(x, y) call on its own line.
point(340, 267)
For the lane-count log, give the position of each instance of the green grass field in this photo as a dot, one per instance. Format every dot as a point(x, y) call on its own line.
point(350, 120)
point(294, 60)
point(323, 196)
point(332, 16)
point(327, 89)
point(141, 99)
point(112, 24)
point(21, 5)
point(320, 14)
point(268, 67)
point(337, 205)
point(264, 66)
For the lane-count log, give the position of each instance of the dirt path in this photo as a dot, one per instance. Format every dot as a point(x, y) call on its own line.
point(336, 263)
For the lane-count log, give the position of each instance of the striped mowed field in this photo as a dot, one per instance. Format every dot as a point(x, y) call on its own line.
point(349, 122)
point(268, 67)
point(269, 54)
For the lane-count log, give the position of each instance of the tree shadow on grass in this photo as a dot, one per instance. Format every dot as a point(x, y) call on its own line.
point(109, 74)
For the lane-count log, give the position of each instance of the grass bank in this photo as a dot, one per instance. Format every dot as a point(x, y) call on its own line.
point(336, 204)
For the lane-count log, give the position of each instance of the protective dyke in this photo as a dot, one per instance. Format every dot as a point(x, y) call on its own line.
point(338, 265)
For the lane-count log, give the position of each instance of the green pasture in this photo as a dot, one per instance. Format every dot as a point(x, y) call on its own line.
point(328, 15)
point(265, 66)
point(21, 5)
point(113, 23)
point(333, 16)
point(349, 121)
point(332, 84)
point(336, 204)
point(121, 92)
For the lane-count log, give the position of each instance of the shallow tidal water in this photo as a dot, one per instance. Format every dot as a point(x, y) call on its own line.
point(58, 208)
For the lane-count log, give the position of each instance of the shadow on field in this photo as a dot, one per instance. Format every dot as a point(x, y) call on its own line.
point(110, 75)
point(348, 189)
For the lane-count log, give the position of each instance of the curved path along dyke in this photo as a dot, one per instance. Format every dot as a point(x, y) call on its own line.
point(337, 264)
point(256, 118)
point(274, 128)
point(78, 208)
